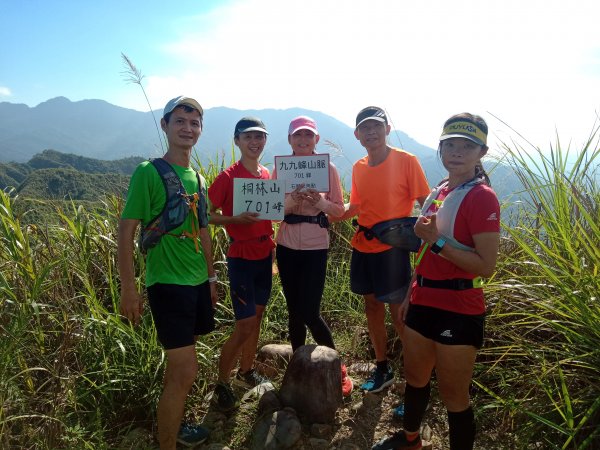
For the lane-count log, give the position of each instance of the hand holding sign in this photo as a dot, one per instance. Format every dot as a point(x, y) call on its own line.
point(247, 217)
point(312, 196)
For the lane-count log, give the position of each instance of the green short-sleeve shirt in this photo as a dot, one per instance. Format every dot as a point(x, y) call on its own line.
point(173, 260)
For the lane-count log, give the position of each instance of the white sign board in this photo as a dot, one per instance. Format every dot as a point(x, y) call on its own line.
point(312, 171)
point(259, 196)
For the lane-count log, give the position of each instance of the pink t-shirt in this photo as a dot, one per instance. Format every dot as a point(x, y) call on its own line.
point(310, 236)
point(479, 212)
point(250, 241)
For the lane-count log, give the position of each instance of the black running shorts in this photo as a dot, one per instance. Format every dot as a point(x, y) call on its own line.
point(180, 313)
point(385, 274)
point(446, 327)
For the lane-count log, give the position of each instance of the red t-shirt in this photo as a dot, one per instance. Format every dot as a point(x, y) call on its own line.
point(250, 241)
point(479, 212)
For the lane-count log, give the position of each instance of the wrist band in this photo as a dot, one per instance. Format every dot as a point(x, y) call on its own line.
point(213, 279)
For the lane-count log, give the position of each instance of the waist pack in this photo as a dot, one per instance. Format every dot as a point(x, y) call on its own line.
point(320, 219)
point(398, 233)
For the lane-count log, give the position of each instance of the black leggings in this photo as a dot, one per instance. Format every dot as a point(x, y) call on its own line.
point(302, 274)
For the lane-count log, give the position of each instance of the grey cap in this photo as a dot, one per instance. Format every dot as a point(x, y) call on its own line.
point(181, 100)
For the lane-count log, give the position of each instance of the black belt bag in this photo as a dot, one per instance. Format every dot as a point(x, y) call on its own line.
point(455, 284)
point(320, 219)
point(398, 233)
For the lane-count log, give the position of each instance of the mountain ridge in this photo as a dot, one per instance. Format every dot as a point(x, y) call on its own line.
point(97, 129)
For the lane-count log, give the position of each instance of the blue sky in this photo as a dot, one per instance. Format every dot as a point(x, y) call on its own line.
point(533, 64)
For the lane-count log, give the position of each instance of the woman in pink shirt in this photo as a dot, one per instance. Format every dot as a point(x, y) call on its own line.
point(302, 244)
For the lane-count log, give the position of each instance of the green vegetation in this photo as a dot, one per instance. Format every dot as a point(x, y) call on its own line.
point(53, 159)
point(74, 375)
point(54, 175)
point(12, 174)
point(543, 356)
point(58, 184)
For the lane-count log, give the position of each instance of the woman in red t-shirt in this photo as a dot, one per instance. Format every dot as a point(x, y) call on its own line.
point(444, 310)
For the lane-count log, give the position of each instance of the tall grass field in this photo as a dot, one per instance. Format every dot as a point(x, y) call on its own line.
point(74, 375)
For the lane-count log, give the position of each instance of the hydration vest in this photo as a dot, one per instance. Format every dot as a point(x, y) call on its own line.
point(448, 209)
point(178, 204)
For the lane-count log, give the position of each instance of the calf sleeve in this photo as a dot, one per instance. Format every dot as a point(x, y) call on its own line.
point(462, 429)
point(415, 404)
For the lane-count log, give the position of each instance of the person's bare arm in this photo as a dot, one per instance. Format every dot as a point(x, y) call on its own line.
point(131, 305)
point(206, 244)
point(216, 218)
point(350, 210)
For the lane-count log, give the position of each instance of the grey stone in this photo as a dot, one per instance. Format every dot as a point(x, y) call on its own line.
point(269, 403)
point(273, 358)
point(258, 391)
point(362, 368)
point(426, 432)
point(279, 430)
point(312, 383)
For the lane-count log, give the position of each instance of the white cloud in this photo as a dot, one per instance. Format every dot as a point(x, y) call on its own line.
point(535, 65)
point(5, 92)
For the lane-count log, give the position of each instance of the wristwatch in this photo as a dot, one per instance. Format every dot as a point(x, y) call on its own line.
point(438, 246)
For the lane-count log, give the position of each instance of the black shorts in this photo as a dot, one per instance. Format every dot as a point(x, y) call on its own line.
point(180, 313)
point(446, 327)
point(385, 274)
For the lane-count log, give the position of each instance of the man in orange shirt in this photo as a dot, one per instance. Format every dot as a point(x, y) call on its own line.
point(385, 185)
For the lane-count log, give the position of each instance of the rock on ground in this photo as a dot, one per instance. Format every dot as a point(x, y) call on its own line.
point(312, 383)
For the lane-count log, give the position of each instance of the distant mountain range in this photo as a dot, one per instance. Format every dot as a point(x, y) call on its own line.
point(99, 130)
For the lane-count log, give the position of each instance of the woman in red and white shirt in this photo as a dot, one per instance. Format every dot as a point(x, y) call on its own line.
point(444, 311)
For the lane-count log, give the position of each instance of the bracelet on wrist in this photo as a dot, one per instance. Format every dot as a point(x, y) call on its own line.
point(213, 279)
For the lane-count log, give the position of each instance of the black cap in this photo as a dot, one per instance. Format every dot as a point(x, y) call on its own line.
point(371, 113)
point(246, 124)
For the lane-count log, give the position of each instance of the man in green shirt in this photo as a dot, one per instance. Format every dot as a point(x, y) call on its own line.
point(180, 277)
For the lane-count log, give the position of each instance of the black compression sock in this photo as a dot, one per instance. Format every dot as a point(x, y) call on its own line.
point(382, 365)
point(462, 429)
point(415, 404)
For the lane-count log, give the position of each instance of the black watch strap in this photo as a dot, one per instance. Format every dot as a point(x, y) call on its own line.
point(438, 246)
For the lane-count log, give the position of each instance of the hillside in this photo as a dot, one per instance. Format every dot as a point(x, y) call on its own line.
point(55, 175)
point(53, 159)
point(12, 174)
point(65, 184)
